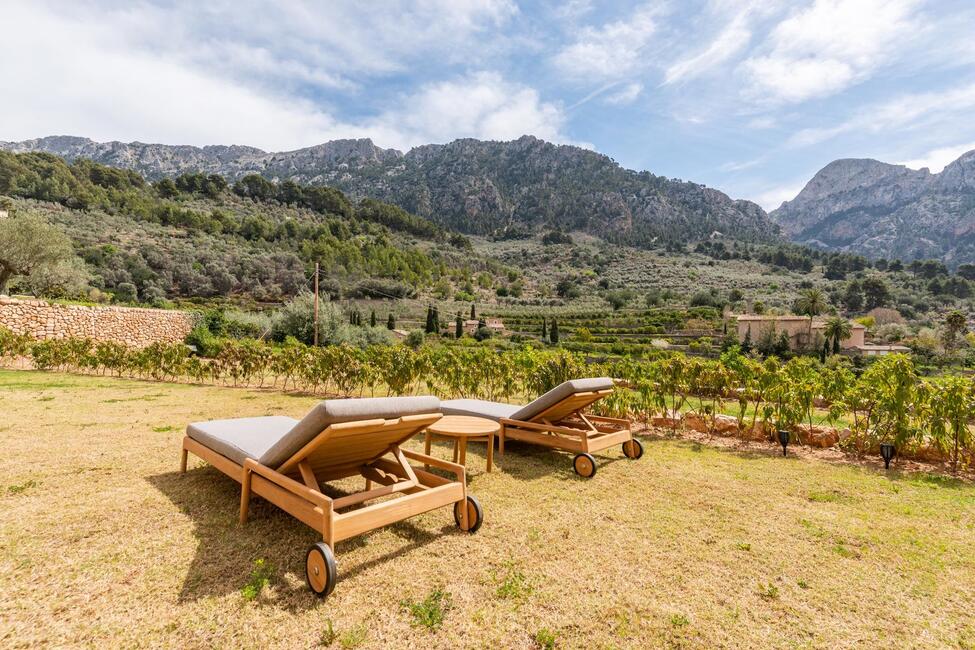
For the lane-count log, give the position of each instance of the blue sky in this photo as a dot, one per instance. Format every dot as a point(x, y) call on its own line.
point(749, 97)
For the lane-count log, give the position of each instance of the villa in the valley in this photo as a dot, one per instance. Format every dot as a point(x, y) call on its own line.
point(756, 327)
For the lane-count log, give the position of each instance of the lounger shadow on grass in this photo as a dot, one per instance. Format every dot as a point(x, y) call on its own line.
point(226, 550)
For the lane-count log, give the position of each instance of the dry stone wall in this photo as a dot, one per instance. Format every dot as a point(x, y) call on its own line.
point(132, 326)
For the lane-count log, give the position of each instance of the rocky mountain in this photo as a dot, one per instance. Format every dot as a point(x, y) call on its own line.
point(482, 187)
point(885, 210)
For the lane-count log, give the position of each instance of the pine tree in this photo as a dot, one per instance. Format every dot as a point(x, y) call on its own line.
point(391, 322)
point(554, 332)
point(458, 326)
point(746, 344)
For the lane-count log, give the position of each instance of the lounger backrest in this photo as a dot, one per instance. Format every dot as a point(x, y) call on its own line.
point(373, 410)
point(344, 447)
point(565, 399)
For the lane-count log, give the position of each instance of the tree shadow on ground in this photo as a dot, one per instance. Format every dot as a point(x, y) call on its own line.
point(226, 551)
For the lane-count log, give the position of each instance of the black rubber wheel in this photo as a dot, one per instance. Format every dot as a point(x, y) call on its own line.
point(475, 515)
point(632, 449)
point(321, 573)
point(584, 465)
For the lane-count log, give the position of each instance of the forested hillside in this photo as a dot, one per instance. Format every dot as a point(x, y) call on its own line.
point(502, 189)
point(197, 236)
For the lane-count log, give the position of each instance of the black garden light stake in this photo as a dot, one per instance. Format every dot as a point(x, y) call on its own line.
point(783, 439)
point(887, 453)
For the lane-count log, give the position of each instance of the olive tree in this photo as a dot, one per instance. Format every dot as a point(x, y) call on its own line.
point(30, 245)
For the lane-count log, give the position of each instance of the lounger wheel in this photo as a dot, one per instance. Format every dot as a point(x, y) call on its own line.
point(475, 515)
point(632, 449)
point(584, 465)
point(321, 573)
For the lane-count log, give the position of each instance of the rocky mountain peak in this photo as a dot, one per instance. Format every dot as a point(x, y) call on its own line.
point(880, 209)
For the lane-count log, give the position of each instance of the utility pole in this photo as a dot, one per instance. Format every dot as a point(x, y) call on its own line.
point(316, 304)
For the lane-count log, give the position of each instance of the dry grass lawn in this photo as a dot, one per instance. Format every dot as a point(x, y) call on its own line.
point(105, 544)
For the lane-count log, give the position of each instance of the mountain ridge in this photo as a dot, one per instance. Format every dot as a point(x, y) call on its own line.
point(881, 209)
point(511, 188)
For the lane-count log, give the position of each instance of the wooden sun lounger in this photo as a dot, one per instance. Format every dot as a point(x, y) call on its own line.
point(369, 448)
point(556, 420)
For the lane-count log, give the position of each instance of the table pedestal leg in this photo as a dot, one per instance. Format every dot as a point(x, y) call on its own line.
point(490, 451)
point(463, 451)
point(426, 447)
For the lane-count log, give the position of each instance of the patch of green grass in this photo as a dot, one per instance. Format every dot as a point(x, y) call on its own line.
point(545, 639)
point(825, 497)
point(22, 487)
point(840, 549)
point(430, 611)
point(802, 584)
point(679, 620)
point(512, 583)
point(46, 398)
point(626, 624)
point(137, 398)
point(329, 635)
point(260, 577)
point(353, 637)
point(743, 546)
point(164, 429)
point(768, 591)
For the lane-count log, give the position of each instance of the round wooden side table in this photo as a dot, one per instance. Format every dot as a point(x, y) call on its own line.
point(460, 429)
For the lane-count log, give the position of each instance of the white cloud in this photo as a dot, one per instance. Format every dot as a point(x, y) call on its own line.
point(481, 105)
point(612, 51)
point(85, 78)
point(936, 159)
point(830, 45)
point(625, 95)
point(774, 197)
point(737, 166)
point(762, 122)
point(904, 112)
point(731, 40)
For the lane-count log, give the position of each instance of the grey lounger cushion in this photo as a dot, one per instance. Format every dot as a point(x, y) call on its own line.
point(273, 440)
point(478, 408)
point(241, 438)
point(498, 410)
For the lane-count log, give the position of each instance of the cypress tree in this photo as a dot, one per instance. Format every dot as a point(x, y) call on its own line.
point(473, 315)
point(544, 330)
point(459, 326)
point(554, 332)
point(429, 326)
point(390, 322)
point(372, 318)
point(746, 344)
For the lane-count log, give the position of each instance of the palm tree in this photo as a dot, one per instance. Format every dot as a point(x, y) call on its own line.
point(837, 328)
point(812, 303)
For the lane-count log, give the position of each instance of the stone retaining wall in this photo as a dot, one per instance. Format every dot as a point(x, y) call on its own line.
point(132, 326)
